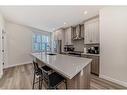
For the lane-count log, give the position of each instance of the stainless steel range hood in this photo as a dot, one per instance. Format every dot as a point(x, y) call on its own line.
point(77, 34)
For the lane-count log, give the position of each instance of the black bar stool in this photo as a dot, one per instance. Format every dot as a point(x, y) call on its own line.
point(38, 73)
point(53, 80)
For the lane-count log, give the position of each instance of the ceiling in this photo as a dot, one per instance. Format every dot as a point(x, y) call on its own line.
point(49, 18)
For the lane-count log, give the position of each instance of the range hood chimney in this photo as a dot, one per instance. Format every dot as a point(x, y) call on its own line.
point(78, 33)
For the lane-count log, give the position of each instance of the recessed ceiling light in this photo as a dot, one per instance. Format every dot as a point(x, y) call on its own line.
point(85, 12)
point(65, 23)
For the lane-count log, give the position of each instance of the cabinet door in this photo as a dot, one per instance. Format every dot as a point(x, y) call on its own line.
point(69, 36)
point(97, 65)
point(66, 38)
point(95, 32)
point(62, 33)
point(74, 32)
point(59, 35)
point(94, 64)
point(88, 35)
point(91, 31)
point(82, 31)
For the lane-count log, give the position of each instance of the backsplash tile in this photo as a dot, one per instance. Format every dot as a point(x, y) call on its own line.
point(78, 45)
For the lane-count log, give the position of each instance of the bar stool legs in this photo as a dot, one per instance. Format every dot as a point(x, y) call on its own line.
point(39, 81)
point(65, 83)
point(33, 81)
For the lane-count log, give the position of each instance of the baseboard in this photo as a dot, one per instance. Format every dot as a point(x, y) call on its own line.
point(114, 80)
point(28, 62)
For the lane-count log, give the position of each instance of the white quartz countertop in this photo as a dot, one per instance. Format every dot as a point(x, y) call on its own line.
point(68, 66)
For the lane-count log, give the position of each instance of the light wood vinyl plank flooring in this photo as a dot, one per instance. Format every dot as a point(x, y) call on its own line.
point(20, 77)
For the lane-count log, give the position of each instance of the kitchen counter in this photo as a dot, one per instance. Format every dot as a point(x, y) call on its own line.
point(67, 53)
point(68, 66)
point(90, 54)
point(75, 69)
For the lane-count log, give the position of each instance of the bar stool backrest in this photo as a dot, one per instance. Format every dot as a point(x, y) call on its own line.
point(45, 75)
point(36, 67)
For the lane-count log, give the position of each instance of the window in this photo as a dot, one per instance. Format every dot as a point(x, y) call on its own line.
point(40, 43)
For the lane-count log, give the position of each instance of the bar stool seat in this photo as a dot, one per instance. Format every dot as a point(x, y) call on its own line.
point(38, 73)
point(53, 80)
point(46, 68)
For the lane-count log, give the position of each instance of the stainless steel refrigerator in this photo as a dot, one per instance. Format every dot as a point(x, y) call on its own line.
point(57, 46)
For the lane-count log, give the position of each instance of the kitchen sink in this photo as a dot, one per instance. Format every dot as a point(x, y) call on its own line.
point(51, 54)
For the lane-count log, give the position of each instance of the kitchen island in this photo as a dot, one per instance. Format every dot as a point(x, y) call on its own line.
point(75, 69)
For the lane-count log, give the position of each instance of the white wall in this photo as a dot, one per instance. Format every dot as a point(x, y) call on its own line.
point(1, 44)
point(19, 44)
point(113, 42)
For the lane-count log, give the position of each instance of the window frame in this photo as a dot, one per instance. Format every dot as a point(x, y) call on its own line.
point(40, 48)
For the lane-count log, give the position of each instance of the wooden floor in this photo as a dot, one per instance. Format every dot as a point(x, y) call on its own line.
point(20, 77)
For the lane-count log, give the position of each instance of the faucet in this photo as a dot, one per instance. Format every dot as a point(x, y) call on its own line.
point(45, 48)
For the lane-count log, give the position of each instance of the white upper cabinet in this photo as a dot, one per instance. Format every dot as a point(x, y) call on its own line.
point(68, 36)
point(58, 34)
point(91, 33)
point(54, 36)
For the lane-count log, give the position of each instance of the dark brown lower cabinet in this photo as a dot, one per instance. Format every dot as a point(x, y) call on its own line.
point(94, 64)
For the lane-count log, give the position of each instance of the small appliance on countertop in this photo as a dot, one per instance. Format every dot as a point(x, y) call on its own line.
point(69, 48)
point(93, 50)
point(76, 53)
